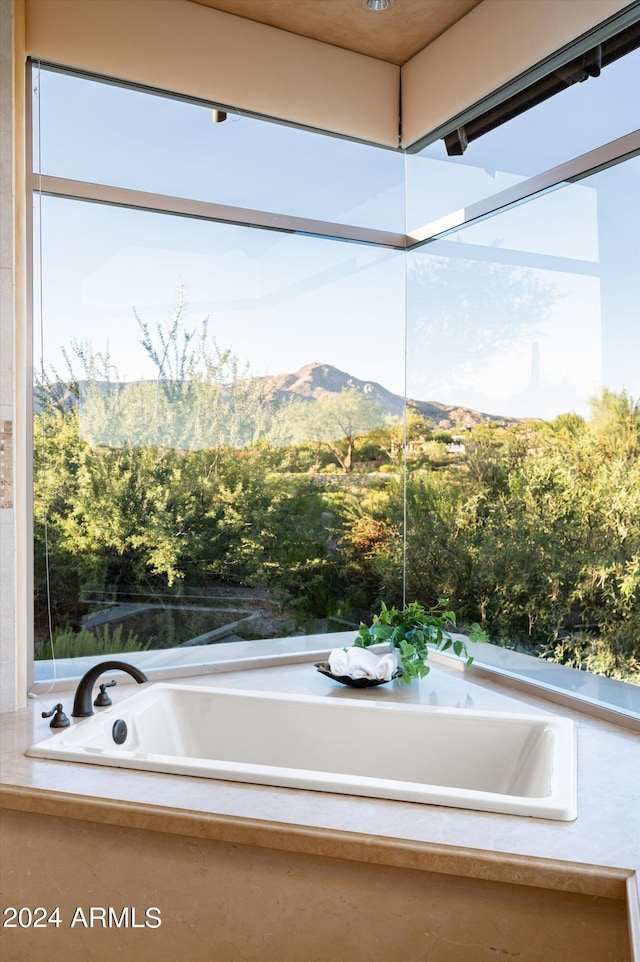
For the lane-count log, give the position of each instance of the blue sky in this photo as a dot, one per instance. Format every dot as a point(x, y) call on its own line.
point(281, 301)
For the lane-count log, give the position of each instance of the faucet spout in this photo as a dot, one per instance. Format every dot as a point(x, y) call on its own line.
point(82, 706)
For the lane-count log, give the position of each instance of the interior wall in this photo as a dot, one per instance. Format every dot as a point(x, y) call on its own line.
point(495, 43)
point(205, 53)
point(13, 455)
point(7, 523)
point(227, 901)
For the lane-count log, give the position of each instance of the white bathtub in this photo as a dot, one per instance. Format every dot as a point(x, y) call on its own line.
point(488, 761)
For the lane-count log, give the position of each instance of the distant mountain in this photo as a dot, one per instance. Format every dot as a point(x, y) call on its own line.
point(314, 381)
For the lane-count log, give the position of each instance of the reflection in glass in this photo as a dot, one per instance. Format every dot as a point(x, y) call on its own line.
point(109, 134)
point(215, 408)
point(524, 513)
point(569, 124)
point(530, 312)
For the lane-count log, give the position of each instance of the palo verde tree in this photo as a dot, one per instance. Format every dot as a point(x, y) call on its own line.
point(334, 421)
point(199, 397)
point(117, 499)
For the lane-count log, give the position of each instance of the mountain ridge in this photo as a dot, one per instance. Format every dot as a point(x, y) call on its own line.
point(316, 380)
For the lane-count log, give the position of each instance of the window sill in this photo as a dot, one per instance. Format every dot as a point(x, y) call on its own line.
point(614, 701)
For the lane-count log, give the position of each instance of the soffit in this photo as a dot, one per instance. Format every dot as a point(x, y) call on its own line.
point(394, 35)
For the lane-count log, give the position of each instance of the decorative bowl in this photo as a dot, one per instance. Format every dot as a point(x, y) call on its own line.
point(323, 668)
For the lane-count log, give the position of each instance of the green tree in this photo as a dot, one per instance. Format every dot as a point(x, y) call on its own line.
point(334, 421)
point(201, 397)
point(615, 423)
point(555, 546)
point(58, 453)
point(392, 435)
point(371, 545)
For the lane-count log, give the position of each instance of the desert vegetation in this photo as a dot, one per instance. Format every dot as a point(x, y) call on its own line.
point(201, 485)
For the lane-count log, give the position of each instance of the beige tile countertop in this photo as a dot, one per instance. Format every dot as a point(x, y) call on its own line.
point(598, 853)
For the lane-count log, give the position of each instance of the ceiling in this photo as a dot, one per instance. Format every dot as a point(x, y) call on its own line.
point(394, 35)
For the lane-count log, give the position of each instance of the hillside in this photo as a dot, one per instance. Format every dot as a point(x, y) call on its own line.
point(314, 381)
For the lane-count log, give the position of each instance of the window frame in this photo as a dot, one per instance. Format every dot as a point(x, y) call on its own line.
point(501, 663)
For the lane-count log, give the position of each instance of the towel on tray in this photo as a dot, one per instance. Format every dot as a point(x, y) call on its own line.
point(359, 662)
point(386, 666)
point(338, 664)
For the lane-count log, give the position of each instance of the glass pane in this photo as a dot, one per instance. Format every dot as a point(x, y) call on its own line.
point(530, 312)
point(527, 489)
point(106, 134)
point(573, 122)
point(215, 407)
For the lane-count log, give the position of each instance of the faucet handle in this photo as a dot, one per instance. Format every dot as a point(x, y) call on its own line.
point(59, 720)
point(102, 700)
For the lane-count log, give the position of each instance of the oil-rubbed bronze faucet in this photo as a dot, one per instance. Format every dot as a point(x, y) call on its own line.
point(82, 707)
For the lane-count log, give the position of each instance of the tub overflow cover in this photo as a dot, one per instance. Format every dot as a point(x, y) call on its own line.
point(119, 731)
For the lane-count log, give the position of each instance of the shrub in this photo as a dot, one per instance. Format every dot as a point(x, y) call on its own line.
point(105, 640)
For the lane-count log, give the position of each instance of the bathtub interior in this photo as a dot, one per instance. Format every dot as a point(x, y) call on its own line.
point(523, 764)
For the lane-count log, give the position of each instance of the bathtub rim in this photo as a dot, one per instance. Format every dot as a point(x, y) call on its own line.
point(559, 805)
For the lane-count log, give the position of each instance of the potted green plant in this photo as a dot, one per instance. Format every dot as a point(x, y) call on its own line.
point(409, 631)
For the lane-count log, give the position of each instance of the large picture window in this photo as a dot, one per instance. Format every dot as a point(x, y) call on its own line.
point(207, 423)
point(533, 516)
point(266, 399)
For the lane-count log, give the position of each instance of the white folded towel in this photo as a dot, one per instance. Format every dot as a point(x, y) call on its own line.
point(386, 666)
point(338, 664)
point(359, 662)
